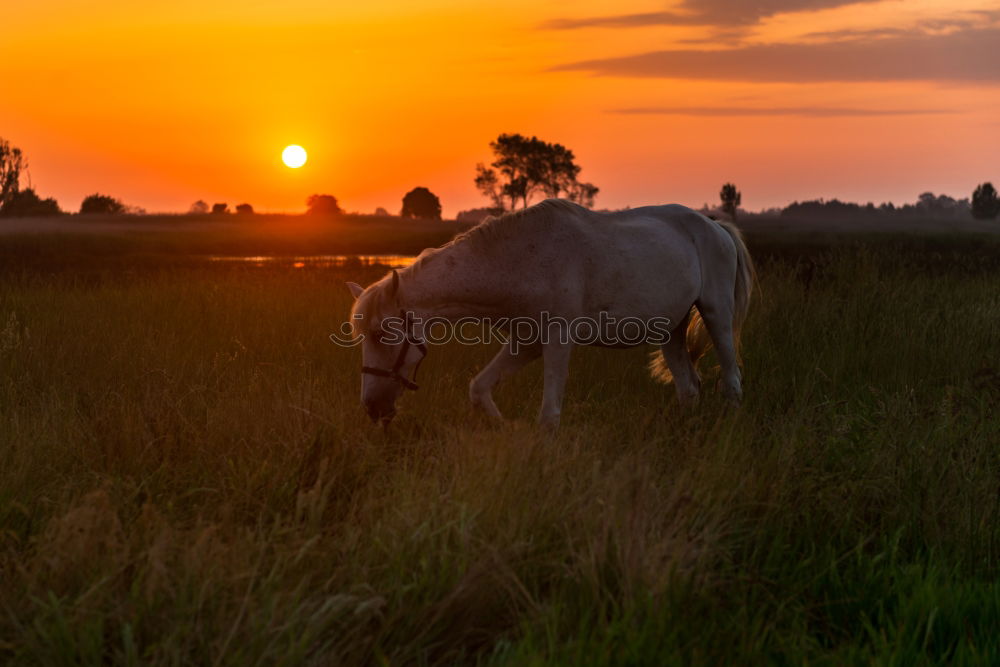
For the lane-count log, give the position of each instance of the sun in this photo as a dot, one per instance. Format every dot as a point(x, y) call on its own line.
point(294, 156)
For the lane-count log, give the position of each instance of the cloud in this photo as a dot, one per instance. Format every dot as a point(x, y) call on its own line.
point(624, 21)
point(967, 55)
point(970, 20)
point(702, 12)
point(854, 35)
point(716, 36)
point(810, 112)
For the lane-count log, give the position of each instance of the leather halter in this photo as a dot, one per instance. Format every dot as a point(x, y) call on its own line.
point(394, 374)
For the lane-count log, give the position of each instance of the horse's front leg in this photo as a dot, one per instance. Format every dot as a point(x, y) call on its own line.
point(504, 364)
point(555, 357)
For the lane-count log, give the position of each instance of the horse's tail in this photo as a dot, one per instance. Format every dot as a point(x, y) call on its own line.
point(698, 343)
point(698, 340)
point(742, 289)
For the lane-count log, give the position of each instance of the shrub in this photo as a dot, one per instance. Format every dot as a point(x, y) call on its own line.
point(98, 204)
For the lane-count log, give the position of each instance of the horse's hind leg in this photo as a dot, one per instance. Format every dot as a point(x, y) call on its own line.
point(504, 364)
point(717, 313)
point(556, 360)
point(678, 359)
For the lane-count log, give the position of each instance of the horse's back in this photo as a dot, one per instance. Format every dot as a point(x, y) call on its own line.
point(673, 223)
point(645, 260)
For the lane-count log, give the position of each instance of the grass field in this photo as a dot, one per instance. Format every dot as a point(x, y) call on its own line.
point(187, 476)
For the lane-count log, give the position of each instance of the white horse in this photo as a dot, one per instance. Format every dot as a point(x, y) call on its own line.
point(556, 264)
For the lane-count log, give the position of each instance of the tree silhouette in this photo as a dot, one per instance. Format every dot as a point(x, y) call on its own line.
point(244, 209)
point(12, 163)
point(526, 166)
point(220, 209)
point(488, 183)
point(381, 212)
point(731, 198)
point(98, 204)
point(198, 208)
point(582, 193)
point(985, 204)
point(27, 204)
point(323, 205)
point(421, 203)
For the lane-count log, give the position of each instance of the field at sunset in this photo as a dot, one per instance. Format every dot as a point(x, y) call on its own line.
point(306, 308)
point(188, 476)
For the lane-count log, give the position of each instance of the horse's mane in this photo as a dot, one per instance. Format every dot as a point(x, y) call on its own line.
point(371, 301)
point(492, 230)
point(497, 228)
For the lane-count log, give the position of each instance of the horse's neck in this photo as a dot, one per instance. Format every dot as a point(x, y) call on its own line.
point(457, 282)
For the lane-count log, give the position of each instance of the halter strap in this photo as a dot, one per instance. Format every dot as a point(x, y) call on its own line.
point(394, 373)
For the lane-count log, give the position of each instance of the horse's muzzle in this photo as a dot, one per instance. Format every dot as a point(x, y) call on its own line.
point(380, 411)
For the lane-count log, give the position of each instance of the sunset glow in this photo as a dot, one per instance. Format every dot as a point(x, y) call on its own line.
point(170, 102)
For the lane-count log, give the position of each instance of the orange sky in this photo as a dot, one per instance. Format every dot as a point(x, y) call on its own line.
point(164, 102)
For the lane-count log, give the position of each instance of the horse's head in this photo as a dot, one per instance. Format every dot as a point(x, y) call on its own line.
point(390, 349)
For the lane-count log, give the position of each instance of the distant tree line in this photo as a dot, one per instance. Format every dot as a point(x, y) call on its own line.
point(927, 205)
point(201, 207)
point(523, 169)
point(27, 204)
point(417, 203)
point(16, 201)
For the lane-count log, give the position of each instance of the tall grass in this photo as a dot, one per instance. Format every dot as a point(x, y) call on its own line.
point(186, 477)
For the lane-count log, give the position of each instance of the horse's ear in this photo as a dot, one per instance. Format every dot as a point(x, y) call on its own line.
point(395, 283)
point(356, 289)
